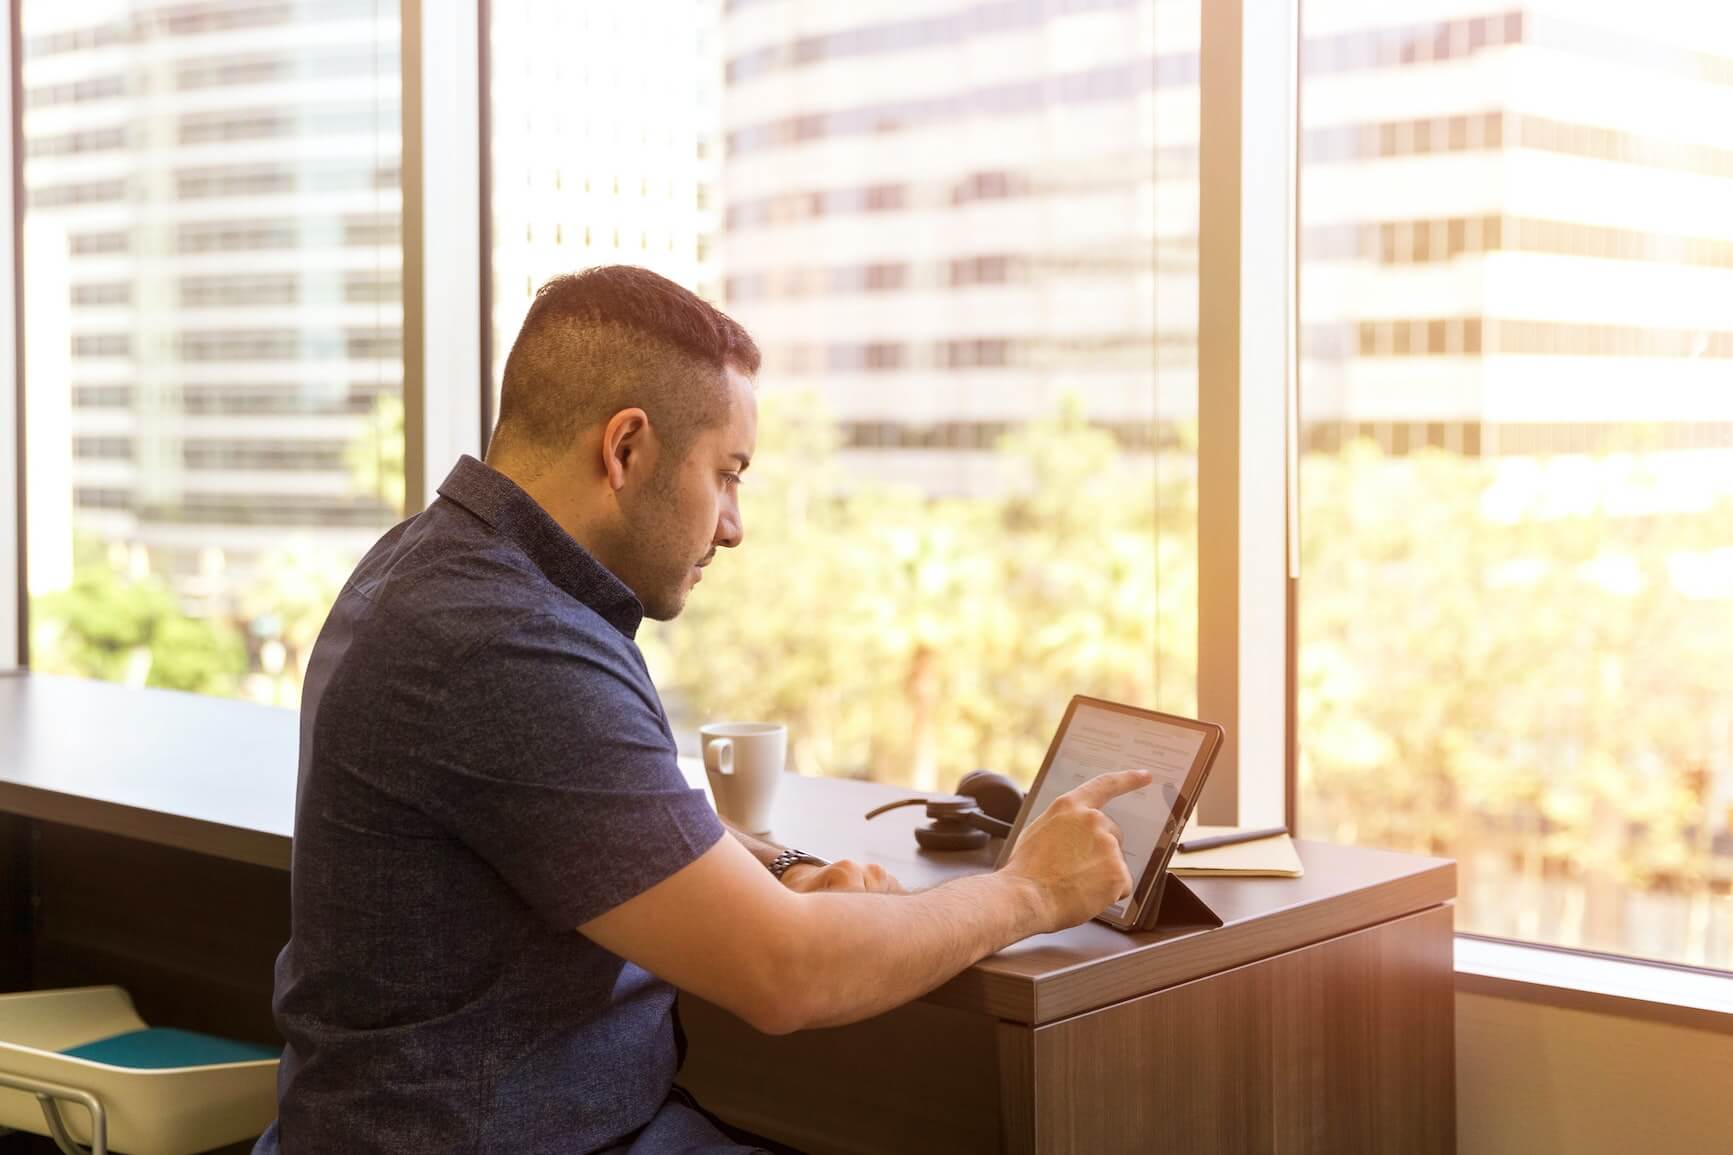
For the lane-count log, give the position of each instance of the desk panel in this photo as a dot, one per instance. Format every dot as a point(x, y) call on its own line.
point(1344, 1046)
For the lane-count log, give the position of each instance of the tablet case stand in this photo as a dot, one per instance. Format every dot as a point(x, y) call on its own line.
point(1179, 909)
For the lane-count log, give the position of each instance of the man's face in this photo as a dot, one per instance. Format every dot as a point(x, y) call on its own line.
point(690, 506)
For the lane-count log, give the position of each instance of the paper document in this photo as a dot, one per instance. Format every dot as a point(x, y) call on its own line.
point(1267, 857)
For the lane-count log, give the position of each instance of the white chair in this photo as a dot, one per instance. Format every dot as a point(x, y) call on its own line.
point(133, 1089)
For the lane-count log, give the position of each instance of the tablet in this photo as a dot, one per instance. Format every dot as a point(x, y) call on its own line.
point(1097, 737)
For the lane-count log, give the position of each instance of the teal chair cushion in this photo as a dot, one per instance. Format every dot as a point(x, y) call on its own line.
point(158, 1048)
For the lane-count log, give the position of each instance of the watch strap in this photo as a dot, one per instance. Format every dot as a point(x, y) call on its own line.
point(780, 864)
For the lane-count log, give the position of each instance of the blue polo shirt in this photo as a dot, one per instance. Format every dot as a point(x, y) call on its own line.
point(485, 765)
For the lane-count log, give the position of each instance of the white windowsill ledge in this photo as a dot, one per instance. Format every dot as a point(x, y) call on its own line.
point(1589, 982)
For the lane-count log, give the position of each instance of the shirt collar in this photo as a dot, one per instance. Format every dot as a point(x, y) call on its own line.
point(516, 516)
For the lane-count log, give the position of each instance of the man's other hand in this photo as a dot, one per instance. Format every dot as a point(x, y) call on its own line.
point(804, 878)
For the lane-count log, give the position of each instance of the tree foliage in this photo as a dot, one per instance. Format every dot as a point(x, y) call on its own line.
point(107, 625)
point(912, 638)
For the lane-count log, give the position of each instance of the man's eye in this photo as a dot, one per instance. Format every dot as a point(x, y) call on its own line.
point(733, 478)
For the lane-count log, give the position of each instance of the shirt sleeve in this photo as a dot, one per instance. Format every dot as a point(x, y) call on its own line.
point(557, 769)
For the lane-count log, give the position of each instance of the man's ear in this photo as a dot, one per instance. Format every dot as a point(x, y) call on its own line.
point(626, 446)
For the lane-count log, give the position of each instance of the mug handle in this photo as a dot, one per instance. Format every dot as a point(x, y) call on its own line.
point(719, 757)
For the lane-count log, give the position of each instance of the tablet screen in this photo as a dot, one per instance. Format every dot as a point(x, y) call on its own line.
point(1098, 738)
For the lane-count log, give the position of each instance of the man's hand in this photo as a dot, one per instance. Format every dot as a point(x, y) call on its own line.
point(804, 878)
point(1071, 855)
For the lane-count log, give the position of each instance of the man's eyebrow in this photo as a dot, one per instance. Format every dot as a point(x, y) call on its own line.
point(745, 461)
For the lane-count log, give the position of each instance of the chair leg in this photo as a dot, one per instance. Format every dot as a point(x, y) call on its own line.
point(50, 1096)
point(62, 1137)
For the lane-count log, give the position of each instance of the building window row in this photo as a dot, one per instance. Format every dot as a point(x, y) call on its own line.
point(237, 236)
point(1132, 436)
point(203, 18)
point(1103, 351)
point(92, 192)
point(235, 125)
point(233, 72)
point(1107, 83)
point(84, 140)
point(270, 400)
point(78, 39)
point(373, 229)
point(233, 180)
point(1445, 239)
point(102, 345)
point(211, 16)
point(967, 272)
point(1353, 51)
point(1470, 132)
point(104, 243)
point(102, 293)
point(102, 448)
point(1397, 46)
point(992, 18)
point(286, 510)
point(1455, 39)
point(92, 497)
point(372, 287)
point(102, 396)
point(237, 289)
point(1517, 439)
point(381, 344)
point(1595, 143)
point(287, 345)
point(90, 90)
point(1350, 51)
point(238, 400)
point(815, 204)
point(241, 345)
point(282, 456)
point(1474, 336)
point(1346, 52)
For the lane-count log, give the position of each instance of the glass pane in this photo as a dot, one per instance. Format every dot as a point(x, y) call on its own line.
point(1517, 349)
point(213, 330)
point(965, 237)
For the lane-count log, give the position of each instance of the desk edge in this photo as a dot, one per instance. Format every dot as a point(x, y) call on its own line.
point(199, 835)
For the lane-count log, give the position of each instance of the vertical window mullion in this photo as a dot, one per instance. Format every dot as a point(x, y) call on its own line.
point(14, 621)
point(443, 374)
point(1245, 354)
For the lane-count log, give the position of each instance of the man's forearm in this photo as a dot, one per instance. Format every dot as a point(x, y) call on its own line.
point(761, 849)
point(858, 955)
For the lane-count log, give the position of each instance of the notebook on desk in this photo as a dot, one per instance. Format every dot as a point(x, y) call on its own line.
point(1265, 858)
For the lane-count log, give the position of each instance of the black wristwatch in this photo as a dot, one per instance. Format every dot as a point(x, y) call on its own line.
point(780, 864)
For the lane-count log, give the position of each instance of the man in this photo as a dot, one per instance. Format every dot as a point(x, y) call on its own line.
point(500, 875)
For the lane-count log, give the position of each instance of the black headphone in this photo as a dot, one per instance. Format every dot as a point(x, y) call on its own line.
point(984, 807)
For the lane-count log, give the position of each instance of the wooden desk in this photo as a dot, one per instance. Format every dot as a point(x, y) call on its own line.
point(1318, 1018)
point(144, 836)
point(198, 773)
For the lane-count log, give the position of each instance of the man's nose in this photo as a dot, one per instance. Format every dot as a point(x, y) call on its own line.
point(730, 529)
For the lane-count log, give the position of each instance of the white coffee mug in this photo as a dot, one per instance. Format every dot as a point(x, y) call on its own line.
point(744, 761)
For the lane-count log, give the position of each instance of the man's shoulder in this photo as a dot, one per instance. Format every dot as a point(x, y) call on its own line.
point(456, 585)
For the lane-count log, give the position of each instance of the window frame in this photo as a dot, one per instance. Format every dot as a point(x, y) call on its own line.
point(14, 623)
point(1247, 390)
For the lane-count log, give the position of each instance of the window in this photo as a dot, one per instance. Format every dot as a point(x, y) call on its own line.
point(1517, 520)
point(976, 483)
point(176, 319)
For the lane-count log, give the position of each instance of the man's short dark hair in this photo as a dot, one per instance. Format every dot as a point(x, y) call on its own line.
point(611, 338)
